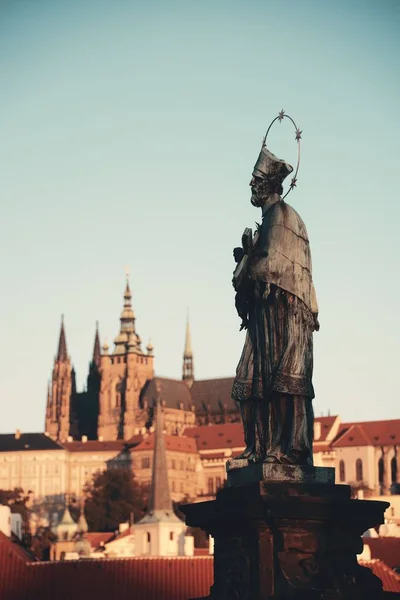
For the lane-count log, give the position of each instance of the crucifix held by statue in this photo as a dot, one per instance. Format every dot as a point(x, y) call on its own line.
point(276, 301)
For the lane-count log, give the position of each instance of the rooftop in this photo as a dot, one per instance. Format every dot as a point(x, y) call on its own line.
point(11, 442)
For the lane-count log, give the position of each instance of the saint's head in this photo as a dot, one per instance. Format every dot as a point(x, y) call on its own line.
point(268, 175)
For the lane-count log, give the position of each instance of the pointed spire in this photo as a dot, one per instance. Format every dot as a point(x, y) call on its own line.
point(96, 348)
point(127, 329)
point(160, 498)
point(188, 367)
point(62, 343)
point(188, 353)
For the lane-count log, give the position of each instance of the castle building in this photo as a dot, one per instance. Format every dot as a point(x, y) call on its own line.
point(120, 396)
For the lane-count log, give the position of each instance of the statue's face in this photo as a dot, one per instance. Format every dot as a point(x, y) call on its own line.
point(258, 194)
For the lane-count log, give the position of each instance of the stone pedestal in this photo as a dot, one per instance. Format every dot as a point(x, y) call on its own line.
point(294, 535)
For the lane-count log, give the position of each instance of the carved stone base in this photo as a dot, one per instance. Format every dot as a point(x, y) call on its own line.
point(281, 541)
point(243, 472)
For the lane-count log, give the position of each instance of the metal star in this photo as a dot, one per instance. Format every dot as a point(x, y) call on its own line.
point(293, 183)
point(298, 134)
point(281, 115)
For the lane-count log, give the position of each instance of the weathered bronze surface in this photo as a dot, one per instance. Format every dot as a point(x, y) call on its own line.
point(276, 301)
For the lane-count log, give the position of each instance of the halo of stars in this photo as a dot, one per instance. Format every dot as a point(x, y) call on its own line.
point(298, 133)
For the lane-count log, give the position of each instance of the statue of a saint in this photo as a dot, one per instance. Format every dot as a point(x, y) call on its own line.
point(276, 301)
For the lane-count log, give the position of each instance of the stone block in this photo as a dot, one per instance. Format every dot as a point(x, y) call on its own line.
point(243, 472)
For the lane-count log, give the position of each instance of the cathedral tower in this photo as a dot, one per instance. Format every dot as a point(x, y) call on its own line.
point(59, 392)
point(123, 375)
point(188, 367)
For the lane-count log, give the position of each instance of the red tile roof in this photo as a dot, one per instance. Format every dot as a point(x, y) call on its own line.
point(214, 437)
point(378, 433)
point(386, 549)
point(95, 446)
point(177, 578)
point(173, 443)
point(321, 447)
point(96, 538)
point(213, 455)
point(355, 435)
point(390, 579)
point(326, 426)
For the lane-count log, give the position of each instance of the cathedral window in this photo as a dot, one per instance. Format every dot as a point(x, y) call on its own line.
point(342, 471)
point(393, 465)
point(380, 470)
point(359, 469)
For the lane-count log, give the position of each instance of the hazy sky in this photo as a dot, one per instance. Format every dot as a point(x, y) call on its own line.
point(128, 133)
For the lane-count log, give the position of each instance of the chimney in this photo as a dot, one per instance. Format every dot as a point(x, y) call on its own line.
point(84, 439)
point(317, 430)
point(17, 434)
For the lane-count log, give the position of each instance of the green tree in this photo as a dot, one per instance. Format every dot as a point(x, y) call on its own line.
point(113, 497)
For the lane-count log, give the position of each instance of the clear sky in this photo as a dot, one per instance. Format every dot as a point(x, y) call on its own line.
point(128, 133)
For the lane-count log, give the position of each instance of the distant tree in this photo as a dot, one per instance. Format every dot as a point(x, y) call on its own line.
point(41, 543)
point(357, 486)
point(113, 497)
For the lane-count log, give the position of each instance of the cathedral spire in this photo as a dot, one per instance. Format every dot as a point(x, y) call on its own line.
point(188, 368)
point(160, 499)
point(127, 335)
point(96, 348)
point(62, 343)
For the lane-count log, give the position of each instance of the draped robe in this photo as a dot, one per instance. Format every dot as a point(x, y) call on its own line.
point(273, 381)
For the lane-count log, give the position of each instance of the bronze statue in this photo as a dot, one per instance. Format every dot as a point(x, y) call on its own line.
point(276, 301)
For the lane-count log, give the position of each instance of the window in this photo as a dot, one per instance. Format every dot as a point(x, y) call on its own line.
point(342, 471)
point(211, 486)
point(148, 538)
point(182, 465)
point(171, 536)
point(393, 465)
point(218, 483)
point(173, 486)
point(182, 487)
point(359, 469)
point(173, 464)
point(380, 470)
point(146, 462)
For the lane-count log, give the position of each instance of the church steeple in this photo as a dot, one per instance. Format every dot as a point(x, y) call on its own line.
point(160, 499)
point(127, 339)
point(62, 343)
point(96, 348)
point(58, 414)
point(188, 367)
point(160, 532)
